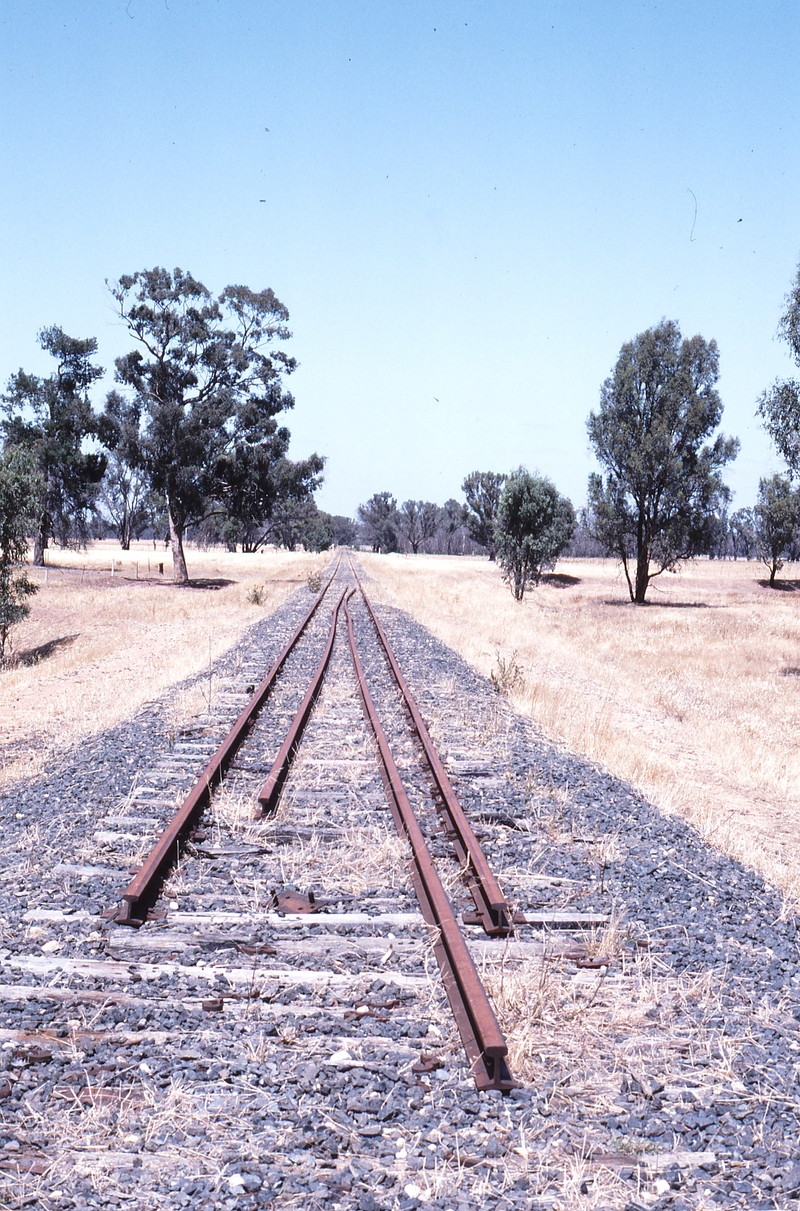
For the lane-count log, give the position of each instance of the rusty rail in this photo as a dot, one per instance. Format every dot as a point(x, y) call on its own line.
point(143, 890)
point(270, 792)
point(493, 910)
point(481, 1036)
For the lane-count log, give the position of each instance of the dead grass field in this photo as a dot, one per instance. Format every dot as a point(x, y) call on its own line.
point(107, 644)
point(693, 699)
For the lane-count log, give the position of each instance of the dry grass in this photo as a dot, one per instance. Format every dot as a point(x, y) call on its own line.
point(688, 699)
point(359, 860)
point(119, 641)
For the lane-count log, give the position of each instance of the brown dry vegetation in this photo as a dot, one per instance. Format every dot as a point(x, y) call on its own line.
point(112, 643)
point(693, 699)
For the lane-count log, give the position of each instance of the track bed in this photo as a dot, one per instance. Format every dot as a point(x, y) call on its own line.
point(228, 1050)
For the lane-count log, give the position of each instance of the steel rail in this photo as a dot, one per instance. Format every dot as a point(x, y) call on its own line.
point(143, 890)
point(493, 910)
point(480, 1033)
point(270, 792)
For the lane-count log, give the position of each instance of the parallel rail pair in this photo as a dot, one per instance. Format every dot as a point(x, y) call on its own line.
point(143, 891)
point(480, 1033)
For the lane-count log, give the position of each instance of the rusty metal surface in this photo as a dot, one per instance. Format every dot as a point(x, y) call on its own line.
point(480, 1032)
point(270, 792)
point(288, 901)
point(493, 910)
point(142, 892)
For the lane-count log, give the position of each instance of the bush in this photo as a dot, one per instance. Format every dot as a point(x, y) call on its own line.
point(534, 525)
point(17, 491)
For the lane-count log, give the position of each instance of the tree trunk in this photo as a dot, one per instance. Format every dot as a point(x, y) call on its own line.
point(642, 575)
point(179, 573)
point(40, 542)
point(624, 558)
point(125, 532)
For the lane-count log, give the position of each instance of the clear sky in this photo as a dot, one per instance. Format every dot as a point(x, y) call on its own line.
point(467, 208)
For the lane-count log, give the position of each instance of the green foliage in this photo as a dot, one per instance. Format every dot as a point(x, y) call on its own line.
point(318, 532)
point(50, 418)
point(268, 498)
point(300, 523)
point(417, 521)
point(742, 533)
point(19, 491)
point(379, 521)
point(207, 383)
point(662, 487)
point(534, 524)
point(482, 490)
point(452, 522)
point(779, 405)
point(345, 533)
point(125, 494)
point(418, 525)
point(776, 518)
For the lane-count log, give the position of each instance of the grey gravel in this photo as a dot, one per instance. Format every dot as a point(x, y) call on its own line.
point(119, 1089)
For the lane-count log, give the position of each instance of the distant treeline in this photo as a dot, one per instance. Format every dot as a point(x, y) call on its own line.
point(191, 446)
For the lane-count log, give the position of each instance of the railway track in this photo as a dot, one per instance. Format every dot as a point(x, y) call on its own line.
point(436, 813)
point(287, 975)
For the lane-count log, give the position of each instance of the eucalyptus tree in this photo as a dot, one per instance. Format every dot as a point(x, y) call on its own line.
point(19, 490)
point(125, 494)
point(741, 528)
point(654, 506)
point(206, 378)
point(52, 418)
point(452, 523)
point(534, 525)
point(482, 490)
point(417, 521)
point(379, 521)
point(779, 405)
point(776, 518)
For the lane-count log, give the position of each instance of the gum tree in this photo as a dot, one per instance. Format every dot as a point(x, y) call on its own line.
point(379, 523)
point(51, 418)
point(741, 528)
point(776, 517)
point(125, 492)
point(206, 378)
point(779, 405)
point(19, 490)
point(417, 521)
point(482, 490)
point(534, 525)
point(655, 503)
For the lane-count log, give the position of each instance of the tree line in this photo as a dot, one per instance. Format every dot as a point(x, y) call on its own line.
point(521, 520)
point(192, 438)
point(659, 499)
point(191, 442)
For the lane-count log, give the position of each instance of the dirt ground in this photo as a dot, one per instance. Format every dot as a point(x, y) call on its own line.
point(99, 643)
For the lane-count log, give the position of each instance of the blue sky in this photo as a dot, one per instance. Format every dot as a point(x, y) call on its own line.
point(468, 207)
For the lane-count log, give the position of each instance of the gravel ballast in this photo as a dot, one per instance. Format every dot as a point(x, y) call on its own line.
point(225, 1055)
